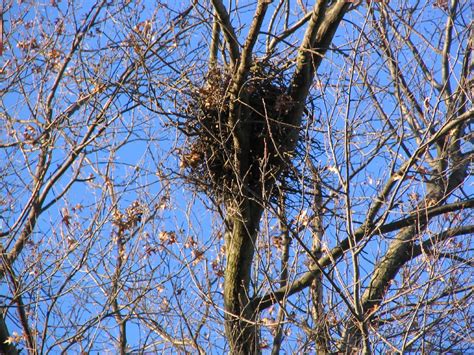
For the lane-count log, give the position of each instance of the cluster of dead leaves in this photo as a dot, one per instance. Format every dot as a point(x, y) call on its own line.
point(167, 237)
point(130, 218)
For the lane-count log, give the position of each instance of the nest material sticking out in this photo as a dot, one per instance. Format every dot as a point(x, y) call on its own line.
point(209, 159)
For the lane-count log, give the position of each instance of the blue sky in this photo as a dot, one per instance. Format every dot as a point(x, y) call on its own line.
point(150, 153)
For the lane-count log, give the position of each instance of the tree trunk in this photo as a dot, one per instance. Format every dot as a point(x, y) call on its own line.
point(244, 213)
point(242, 227)
point(321, 331)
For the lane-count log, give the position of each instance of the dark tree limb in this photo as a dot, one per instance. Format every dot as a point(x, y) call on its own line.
point(228, 30)
point(321, 29)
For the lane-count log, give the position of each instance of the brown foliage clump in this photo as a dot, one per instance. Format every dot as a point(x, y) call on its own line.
point(209, 161)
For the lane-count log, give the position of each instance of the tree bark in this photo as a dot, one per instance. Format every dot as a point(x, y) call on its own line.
point(320, 328)
point(241, 329)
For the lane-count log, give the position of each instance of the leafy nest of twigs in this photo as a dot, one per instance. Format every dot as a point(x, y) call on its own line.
point(209, 155)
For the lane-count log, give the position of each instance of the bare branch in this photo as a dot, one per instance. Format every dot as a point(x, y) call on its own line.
point(304, 281)
point(228, 31)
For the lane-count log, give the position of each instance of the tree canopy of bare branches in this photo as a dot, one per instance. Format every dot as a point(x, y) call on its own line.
point(242, 177)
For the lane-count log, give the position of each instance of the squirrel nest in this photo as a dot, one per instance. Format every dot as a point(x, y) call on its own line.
point(209, 157)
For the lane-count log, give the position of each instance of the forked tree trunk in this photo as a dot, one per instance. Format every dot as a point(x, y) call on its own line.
point(244, 213)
